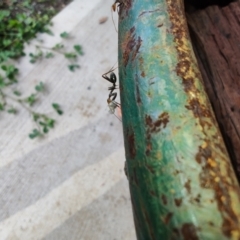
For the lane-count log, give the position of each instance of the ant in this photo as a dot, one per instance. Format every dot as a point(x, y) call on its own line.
point(112, 104)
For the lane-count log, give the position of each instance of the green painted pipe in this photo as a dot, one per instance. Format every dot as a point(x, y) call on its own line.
point(181, 181)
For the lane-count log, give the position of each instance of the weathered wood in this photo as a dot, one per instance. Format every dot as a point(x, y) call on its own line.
point(215, 35)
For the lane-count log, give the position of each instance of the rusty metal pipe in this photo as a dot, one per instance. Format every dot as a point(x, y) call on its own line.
point(181, 181)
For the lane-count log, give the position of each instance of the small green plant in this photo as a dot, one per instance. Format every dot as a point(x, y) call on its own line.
point(59, 48)
point(43, 122)
point(20, 22)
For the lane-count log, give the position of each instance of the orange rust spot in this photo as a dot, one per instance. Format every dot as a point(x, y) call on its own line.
point(198, 109)
point(211, 162)
point(188, 186)
point(123, 5)
point(143, 74)
point(212, 178)
point(178, 201)
point(154, 127)
point(153, 193)
point(131, 144)
point(130, 46)
point(149, 120)
point(168, 217)
point(164, 199)
point(211, 223)
point(164, 117)
point(189, 232)
point(198, 198)
point(139, 101)
point(149, 148)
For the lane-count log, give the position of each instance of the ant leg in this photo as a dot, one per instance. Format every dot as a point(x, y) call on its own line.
point(112, 78)
point(112, 96)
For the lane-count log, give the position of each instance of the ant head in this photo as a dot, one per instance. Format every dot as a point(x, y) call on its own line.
point(113, 77)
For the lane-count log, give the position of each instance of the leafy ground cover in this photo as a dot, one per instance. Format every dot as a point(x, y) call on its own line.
point(20, 21)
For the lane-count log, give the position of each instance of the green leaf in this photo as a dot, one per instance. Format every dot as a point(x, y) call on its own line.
point(57, 108)
point(10, 72)
point(17, 93)
point(78, 49)
point(35, 117)
point(39, 87)
point(4, 14)
point(31, 99)
point(64, 35)
point(2, 82)
point(35, 133)
point(7, 42)
point(58, 46)
point(70, 55)
point(1, 107)
point(45, 129)
point(12, 110)
point(50, 122)
point(49, 55)
point(42, 123)
point(72, 67)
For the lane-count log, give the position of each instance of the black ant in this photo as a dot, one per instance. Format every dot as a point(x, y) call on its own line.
point(112, 104)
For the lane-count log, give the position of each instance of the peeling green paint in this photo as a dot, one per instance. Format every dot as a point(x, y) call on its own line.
point(181, 182)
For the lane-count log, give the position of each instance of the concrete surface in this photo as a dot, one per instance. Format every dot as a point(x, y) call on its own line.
point(70, 185)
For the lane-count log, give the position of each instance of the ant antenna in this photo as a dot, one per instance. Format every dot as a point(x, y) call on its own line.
point(113, 21)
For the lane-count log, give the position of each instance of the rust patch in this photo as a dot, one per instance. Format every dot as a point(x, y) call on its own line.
point(168, 218)
point(123, 7)
point(160, 123)
point(148, 148)
point(189, 232)
point(211, 223)
point(211, 178)
point(141, 66)
point(139, 101)
point(152, 193)
point(137, 47)
point(185, 67)
point(154, 127)
point(149, 121)
point(164, 199)
point(197, 198)
point(198, 109)
point(188, 186)
point(130, 46)
point(131, 144)
point(178, 202)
